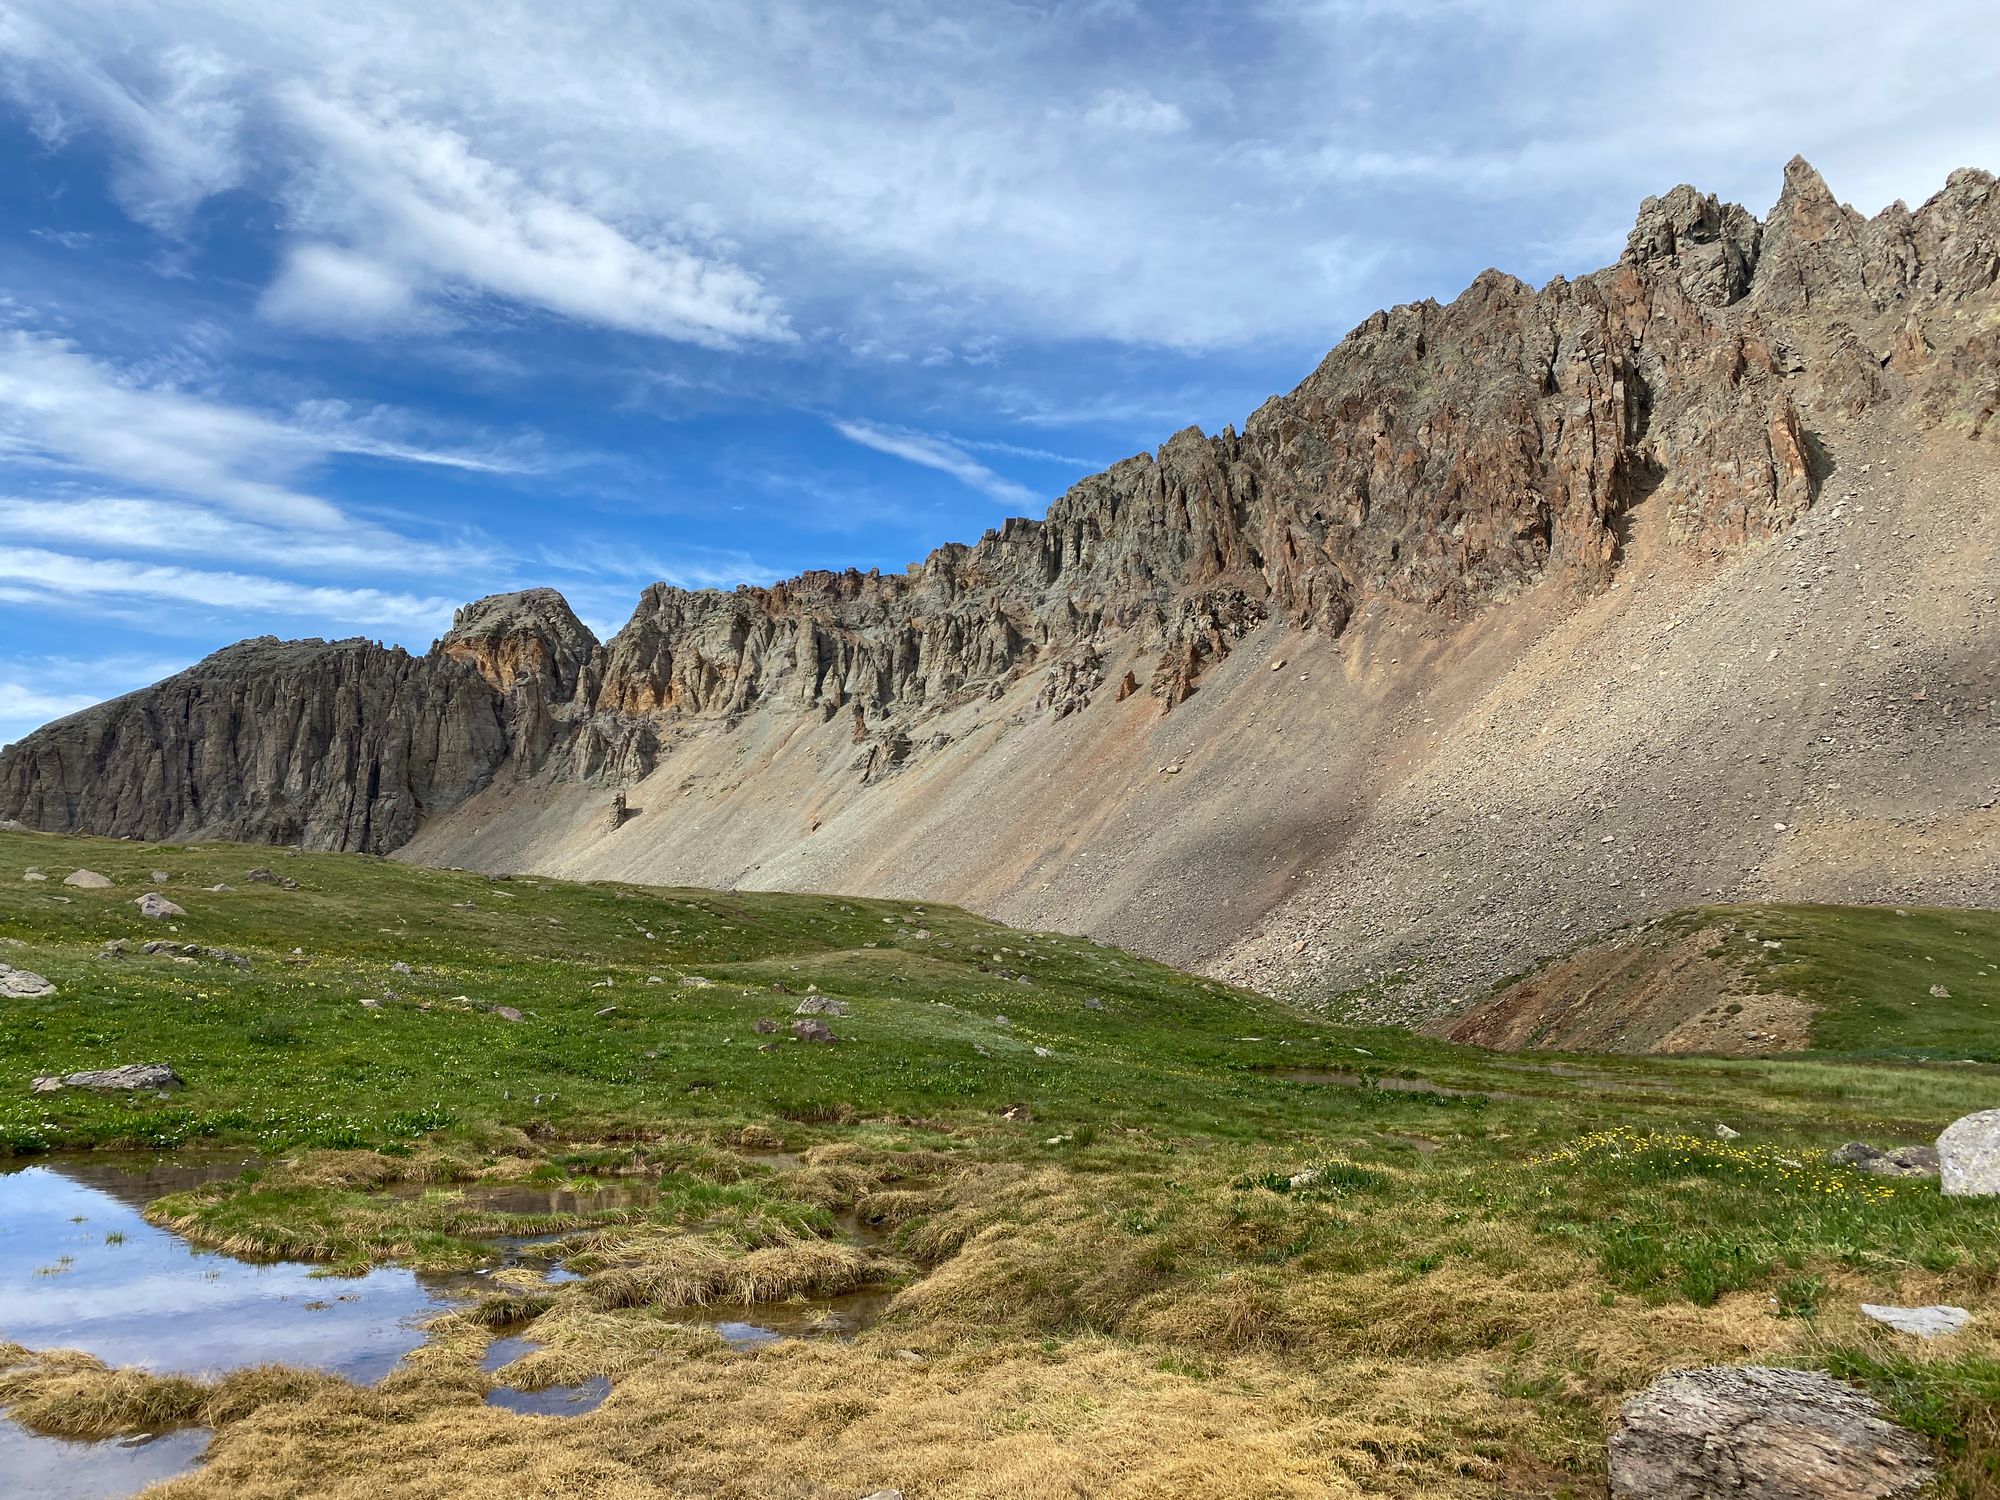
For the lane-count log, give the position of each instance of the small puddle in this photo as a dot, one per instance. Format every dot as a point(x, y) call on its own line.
point(57, 1469)
point(752, 1325)
point(527, 1198)
point(1384, 1082)
point(552, 1401)
point(80, 1268)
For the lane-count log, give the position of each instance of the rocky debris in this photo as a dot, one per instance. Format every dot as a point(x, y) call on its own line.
point(696, 982)
point(1939, 992)
point(1935, 1321)
point(1969, 1156)
point(262, 876)
point(1724, 1133)
point(160, 877)
point(155, 907)
point(87, 880)
point(1897, 1161)
point(399, 967)
point(507, 1013)
point(820, 1005)
point(813, 1031)
point(126, 1079)
point(33, 875)
point(1777, 1434)
point(763, 1026)
point(19, 984)
point(184, 950)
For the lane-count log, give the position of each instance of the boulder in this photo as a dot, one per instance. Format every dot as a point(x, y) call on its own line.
point(155, 907)
point(1969, 1156)
point(160, 877)
point(33, 875)
point(19, 984)
point(820, 1005)
point(1930, 1322)
point(812, 1031)
point(126, 1079)
point(87, 880)
point(1773, 1433)
point(506, 1013)
point(1897, 1161)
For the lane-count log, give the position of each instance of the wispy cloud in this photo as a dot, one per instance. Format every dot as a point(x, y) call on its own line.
point(937, 453)
point(63, 576)
point(154, 527)
point(36, 689)
point(397, 210)
point(60, 407)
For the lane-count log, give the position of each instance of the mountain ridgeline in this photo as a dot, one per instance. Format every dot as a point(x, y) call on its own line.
point(1005, 724)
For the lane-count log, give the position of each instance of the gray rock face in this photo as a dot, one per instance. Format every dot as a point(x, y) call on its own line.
point(1773, 1433)
point(1969, 1156)
point(155, 907)
point(1440, 458)
point(87, 880)
point(115, 1080)
point(1931, 1322)
point(19, 984)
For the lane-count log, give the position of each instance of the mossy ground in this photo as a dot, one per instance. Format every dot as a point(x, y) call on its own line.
point(1107, 1281)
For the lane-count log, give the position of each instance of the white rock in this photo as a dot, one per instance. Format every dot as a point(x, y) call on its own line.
point(1925, 1322)
point(86, 880)
point(154, 907)
point(1969, 1156)
point(19, 984)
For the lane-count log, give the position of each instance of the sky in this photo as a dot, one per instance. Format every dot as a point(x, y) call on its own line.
point(322, 318)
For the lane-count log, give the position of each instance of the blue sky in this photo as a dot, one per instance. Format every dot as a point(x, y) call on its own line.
point(321, 318)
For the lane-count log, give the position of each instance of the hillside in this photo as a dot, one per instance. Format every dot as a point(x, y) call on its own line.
point(1113, 1229)
point(1919, 982)
point(1522, 616)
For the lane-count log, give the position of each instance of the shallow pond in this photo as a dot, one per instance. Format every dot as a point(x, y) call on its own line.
point(81, 1269)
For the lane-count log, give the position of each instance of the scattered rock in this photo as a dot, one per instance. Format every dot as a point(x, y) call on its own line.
point(1754, 1430)
point(160, 877)
point(609, 1010)
point(1093, 1003)
point(1939, 992)
point(820, 1005)
point(260, 876)
point(813, 1031)
point(126, 1079)
point(371, 1004)
point(763, 1027)
point(87, 880)
point(506, 1013)
point(19, 984)
point(1043, 1052)
point(1017, 1112)
point(1897, 1161)
point(1724, 1133)
point(399, 967)
point(1934, 1321)
point(696, 982)
point(33, 875)
point(182, 950)
point(654, 979)
point(1969, 1156)
point(156, 907)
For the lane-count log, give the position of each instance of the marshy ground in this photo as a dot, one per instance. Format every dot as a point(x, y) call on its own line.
point(1045, 1220)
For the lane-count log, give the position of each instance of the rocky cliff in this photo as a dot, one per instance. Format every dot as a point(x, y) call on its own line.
point(1515, 445)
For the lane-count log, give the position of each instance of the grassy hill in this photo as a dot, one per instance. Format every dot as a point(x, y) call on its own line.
point(1146, 1234)
point(1920, 983)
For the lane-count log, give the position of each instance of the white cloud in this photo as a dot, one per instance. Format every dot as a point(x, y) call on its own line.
point(23, 706)
point(936, 453)
point(1137, 111)
point(170, 527)
point(418, 207)
point(35, 690)
point(67, 577)
point(60, 408)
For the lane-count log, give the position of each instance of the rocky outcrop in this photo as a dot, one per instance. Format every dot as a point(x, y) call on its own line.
point(1779, 1433)
point(1442, 458)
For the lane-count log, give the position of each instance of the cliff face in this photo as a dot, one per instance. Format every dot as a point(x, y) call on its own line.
point(1442, 459)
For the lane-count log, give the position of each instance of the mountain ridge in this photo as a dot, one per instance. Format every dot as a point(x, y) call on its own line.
point(1515, 446)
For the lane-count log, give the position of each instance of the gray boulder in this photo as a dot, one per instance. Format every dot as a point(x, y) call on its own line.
point(812, 1031)
point(131, 1077)
point(1969, 1156)
point(19, 984)
point(1925, 1322)
point(1897, 1161)
point(1773, 1433)
point(156, 907)
point(87, 880)
point(820, 1005)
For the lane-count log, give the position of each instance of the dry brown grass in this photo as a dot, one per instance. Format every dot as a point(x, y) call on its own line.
point(668, 1268)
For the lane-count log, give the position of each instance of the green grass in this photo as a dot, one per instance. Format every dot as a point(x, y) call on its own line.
point(1873, 973)
point(1110, 1150)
